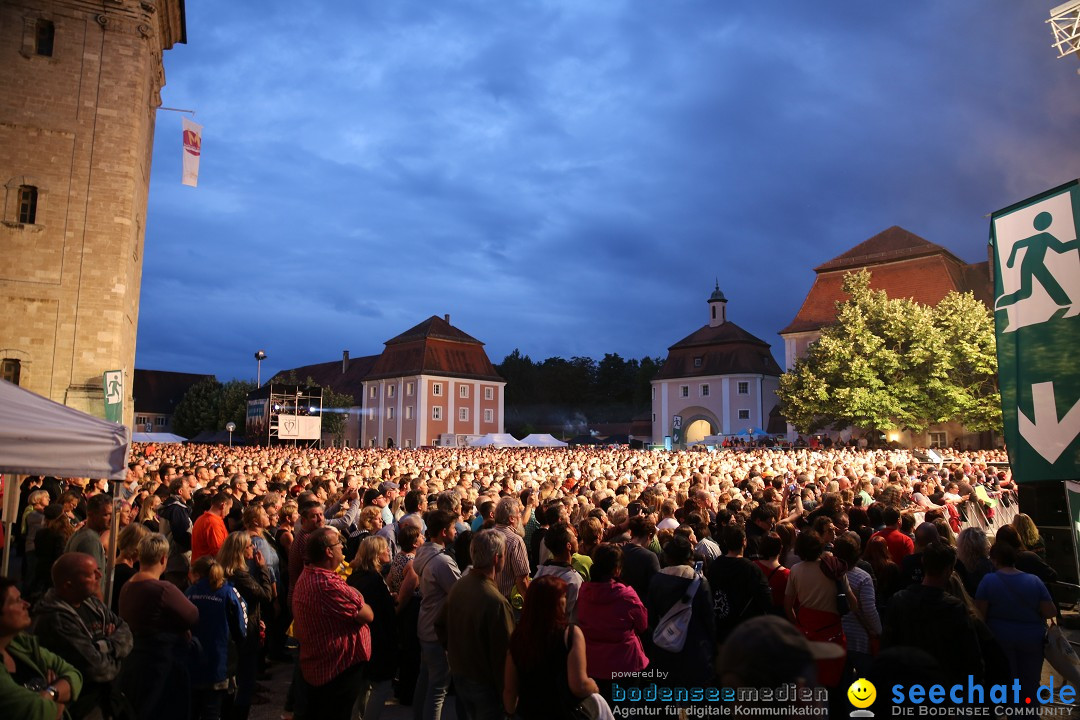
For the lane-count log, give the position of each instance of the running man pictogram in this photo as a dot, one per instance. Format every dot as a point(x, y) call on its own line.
point(1034, 264)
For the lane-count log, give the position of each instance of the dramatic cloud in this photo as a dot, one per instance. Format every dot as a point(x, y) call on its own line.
point(570, 178)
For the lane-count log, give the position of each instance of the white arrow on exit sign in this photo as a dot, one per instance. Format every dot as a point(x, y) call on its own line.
point(1047, 435)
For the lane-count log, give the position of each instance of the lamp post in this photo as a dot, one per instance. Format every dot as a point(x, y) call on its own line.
point(230, 427)
point(260, 355)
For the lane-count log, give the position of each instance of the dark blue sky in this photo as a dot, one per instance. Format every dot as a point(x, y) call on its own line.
point(570, 177)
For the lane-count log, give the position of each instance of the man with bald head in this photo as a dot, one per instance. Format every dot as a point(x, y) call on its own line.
point(73, 622)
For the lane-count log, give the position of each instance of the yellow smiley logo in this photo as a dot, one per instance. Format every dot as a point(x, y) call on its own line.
point(862, 693)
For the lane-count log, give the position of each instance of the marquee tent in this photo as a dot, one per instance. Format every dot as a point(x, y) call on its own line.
point(42, 437)
point(542, 440)
point(163, 438)
point(496, 440)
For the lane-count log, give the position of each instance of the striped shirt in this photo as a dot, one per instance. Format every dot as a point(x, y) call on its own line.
point(332, 639)
point(517, 560)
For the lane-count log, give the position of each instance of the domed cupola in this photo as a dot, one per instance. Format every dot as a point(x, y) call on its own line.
point(717, 307)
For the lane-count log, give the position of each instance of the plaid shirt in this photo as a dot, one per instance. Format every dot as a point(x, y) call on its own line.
point(331, 637)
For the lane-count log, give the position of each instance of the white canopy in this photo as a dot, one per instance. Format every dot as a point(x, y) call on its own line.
point(497, 440)
point(542, 440)
point(42, 437)
point(157, 438)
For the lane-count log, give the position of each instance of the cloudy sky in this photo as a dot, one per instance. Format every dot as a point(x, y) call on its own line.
point(570, 177)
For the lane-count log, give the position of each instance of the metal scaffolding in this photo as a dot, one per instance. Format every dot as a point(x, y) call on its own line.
point(1065, 21)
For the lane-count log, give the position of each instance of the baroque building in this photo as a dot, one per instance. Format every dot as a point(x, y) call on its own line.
point(719, 380)
point(80, 85)
point(903, 265)
point(432, 384)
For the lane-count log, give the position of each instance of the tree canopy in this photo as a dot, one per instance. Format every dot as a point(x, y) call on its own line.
point(211, 405)
point(572, 392)
point(894, 363)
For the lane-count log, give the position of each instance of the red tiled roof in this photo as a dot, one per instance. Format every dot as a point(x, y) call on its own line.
point(433, 328)
point(726, 349)
point(329, 374)
point(159, 391)
point(890, 245)
point(434, 347)
point(900, 263)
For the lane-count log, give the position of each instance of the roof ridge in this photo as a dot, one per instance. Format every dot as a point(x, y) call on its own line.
point(891, 243)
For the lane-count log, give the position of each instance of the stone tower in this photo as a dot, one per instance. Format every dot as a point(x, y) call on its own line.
point(80, 85)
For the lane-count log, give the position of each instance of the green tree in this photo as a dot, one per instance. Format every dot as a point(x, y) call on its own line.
point(233, 406)
point(969, 352)
point(889, 363)
point(199, 409)
point(333, 423)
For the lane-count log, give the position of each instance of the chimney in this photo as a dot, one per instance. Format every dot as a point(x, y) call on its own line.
point(446, 317)
point(344, 362)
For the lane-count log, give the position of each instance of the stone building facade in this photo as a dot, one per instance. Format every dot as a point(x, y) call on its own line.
point(80, 86)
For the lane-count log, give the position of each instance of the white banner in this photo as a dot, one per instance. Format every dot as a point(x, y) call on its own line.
point(299, 427)
point(192, 151)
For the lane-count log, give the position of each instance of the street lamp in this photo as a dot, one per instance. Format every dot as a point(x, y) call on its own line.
point(230, 427)
point(260, 355)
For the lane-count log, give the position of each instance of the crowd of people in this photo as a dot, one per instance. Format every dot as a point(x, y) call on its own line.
point(536, 583)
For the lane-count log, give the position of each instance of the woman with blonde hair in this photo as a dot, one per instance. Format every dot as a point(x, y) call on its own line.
point(367, 576)
point(127, 556)
point(1029, 535)
point(148, 513)
point(155, 675)
point(245, 567)
point(221, 615)
point(369, 523)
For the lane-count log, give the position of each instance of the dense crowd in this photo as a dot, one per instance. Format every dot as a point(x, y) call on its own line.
point(541, 583)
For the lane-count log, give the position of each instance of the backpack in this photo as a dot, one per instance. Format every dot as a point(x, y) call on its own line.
point(671, 631)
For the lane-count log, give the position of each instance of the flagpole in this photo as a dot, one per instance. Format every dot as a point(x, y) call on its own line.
point(172, 109)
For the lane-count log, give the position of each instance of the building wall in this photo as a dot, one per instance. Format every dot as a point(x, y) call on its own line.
point(79, 126)
point(795, 345)
point(413, 398)
point(720, 406)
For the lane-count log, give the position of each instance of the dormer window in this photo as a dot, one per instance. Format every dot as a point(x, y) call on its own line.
point(697, 362)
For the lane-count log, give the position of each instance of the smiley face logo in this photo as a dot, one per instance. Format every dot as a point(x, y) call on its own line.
point(862, 693)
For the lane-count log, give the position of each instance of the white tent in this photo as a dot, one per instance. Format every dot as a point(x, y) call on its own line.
point(542, 440)
point(163, 438)
point(42, 437)
point(496, 440)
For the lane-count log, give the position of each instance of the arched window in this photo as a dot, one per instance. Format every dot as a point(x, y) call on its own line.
point(10, 370)
point(28, 199)
point(44, 34)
